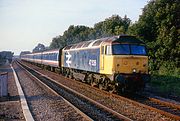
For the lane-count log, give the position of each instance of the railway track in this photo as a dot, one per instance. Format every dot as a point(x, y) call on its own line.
point(90, 109)
point(165, 108)
point(49, 93)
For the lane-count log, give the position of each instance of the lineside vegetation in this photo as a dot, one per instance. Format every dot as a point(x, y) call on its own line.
point(158, 27)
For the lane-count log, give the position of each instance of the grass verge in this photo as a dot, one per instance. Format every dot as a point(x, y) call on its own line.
point(166, 84)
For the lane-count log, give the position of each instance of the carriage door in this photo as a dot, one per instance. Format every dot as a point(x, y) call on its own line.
point(102, 57)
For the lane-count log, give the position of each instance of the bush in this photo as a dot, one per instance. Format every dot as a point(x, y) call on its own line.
point(169, 68)
point(166, 78)
point(166, 84)
point(166, 68)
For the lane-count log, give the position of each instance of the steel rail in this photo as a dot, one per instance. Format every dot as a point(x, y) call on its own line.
point(176, 117)
point(120, 116)
point(165, 103)
point(53, 91)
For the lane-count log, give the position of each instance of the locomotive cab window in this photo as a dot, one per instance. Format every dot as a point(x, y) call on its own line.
point(128, 49)
point(121, 49)
point(138, 50)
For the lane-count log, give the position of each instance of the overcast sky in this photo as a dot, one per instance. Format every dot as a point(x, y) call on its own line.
point(25, 23)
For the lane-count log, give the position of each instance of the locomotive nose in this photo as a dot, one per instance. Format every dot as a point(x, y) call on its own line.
point(131, 64)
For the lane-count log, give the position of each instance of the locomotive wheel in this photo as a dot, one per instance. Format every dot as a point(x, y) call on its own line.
point(67, 73)
point(100, 86)
point(88, 79)
point(111, 89)
point(93, 83)
point(71, 76)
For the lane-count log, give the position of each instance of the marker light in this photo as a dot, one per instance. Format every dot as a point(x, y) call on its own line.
point(134, 70)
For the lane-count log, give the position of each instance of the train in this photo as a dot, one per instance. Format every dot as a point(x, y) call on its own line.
point(117, 63)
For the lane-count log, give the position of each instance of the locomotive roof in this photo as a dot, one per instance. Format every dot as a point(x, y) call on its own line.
point(106, 40)
point(128, 39)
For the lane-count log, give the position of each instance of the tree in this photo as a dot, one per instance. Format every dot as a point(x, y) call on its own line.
point(74, 34)
point(114, 25)
point(57, 42)
point(6, 55)
point(159, 27)
point(39, 48)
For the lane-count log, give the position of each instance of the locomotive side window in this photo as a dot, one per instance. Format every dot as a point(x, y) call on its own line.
point(108, 50)
point(102, 50)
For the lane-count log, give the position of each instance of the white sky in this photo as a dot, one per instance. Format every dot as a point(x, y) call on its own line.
point(25, 23)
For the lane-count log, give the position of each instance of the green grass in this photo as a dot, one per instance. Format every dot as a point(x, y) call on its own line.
point(166, 84)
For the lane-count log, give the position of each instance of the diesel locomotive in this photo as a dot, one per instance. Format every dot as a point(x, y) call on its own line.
point(118, 63)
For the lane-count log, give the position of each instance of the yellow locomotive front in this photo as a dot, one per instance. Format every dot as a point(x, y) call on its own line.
point(124, 61)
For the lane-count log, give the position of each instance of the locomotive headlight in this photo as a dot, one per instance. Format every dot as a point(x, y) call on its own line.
point(134, 70)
